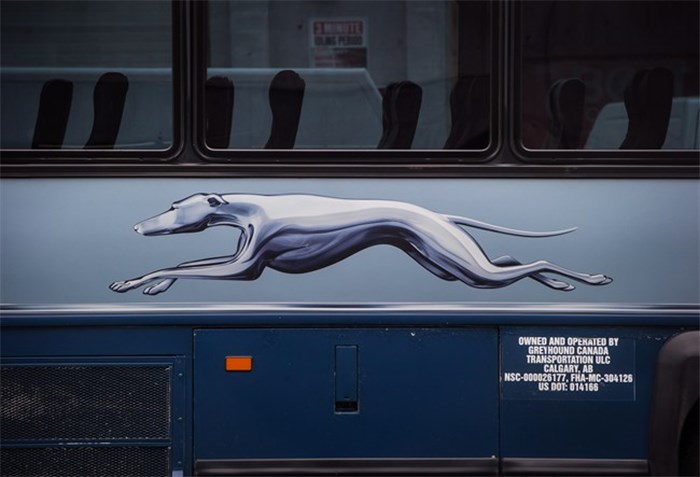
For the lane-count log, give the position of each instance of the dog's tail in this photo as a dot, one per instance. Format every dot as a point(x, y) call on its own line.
point(504, 230)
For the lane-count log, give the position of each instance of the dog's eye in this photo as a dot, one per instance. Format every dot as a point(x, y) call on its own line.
point(213, 202)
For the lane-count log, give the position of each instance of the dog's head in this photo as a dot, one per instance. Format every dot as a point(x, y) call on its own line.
point(192, 214)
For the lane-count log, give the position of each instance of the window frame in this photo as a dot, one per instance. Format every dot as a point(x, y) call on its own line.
point(186, 159)
point(49, 157)
point(574, 157)
point(274, 158)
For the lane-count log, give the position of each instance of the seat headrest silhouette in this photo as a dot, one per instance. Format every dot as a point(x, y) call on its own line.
point(286, 97)
point(400, 110)
point(218, 113)
point(108, 99)
point(648, 101)
point(565, 104)
point(470, 109)
point(52, 118)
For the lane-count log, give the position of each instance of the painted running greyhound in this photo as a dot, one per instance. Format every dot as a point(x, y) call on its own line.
point(303, 233)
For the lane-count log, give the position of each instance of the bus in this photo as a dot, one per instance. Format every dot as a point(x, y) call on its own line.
point(349, 237)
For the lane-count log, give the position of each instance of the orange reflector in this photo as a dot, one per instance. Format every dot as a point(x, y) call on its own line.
point(239, 363)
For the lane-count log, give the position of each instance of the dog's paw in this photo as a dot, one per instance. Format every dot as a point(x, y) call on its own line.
point(600, 280)
point(159, 287)
point(556, 284)
point(122, 286)
point(562, 286)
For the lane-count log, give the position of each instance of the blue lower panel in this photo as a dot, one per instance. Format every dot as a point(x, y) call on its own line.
point(418, 392)
point(577, 392)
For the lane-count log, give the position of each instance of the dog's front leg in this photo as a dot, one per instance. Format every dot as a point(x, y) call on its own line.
point(164, 278)
point(126, 285)
point(159, 287)
point(163, 285)
point(226, 270)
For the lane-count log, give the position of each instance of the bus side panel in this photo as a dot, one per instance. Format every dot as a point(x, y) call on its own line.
point(419, 393)
point(81, 235)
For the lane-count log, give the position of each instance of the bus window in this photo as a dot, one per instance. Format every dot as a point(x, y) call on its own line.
point(370, 75)
point(609, 75)
point(87, 75)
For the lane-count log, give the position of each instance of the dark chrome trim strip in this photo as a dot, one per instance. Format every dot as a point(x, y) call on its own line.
point(511, 466)
point(344, 315)
point(354, 308)
point(274, 467)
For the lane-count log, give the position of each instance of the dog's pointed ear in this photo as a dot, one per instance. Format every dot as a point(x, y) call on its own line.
point(215, 200)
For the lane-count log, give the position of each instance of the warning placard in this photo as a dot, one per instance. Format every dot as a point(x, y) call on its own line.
point(338, 42)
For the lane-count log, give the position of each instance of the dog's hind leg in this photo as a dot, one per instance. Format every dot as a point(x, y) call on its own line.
point(507, 261)
point(493, 276)
point(590, 279)
point(428, 264)
point(477, 270)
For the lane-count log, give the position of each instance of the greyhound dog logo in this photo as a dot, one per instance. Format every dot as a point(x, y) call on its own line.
point(303, 233)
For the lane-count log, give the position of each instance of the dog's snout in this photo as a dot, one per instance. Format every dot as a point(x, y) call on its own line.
point(161, 224)
point(145, 228)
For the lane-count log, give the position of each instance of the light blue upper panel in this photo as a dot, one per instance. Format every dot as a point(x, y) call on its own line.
point(66, 241)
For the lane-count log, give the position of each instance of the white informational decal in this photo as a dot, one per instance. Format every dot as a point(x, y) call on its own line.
point(338, 42)
point(565, 367)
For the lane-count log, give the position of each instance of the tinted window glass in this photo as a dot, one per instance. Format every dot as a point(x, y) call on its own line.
point(86, 74)
point(348, 75)
point(609, 75)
